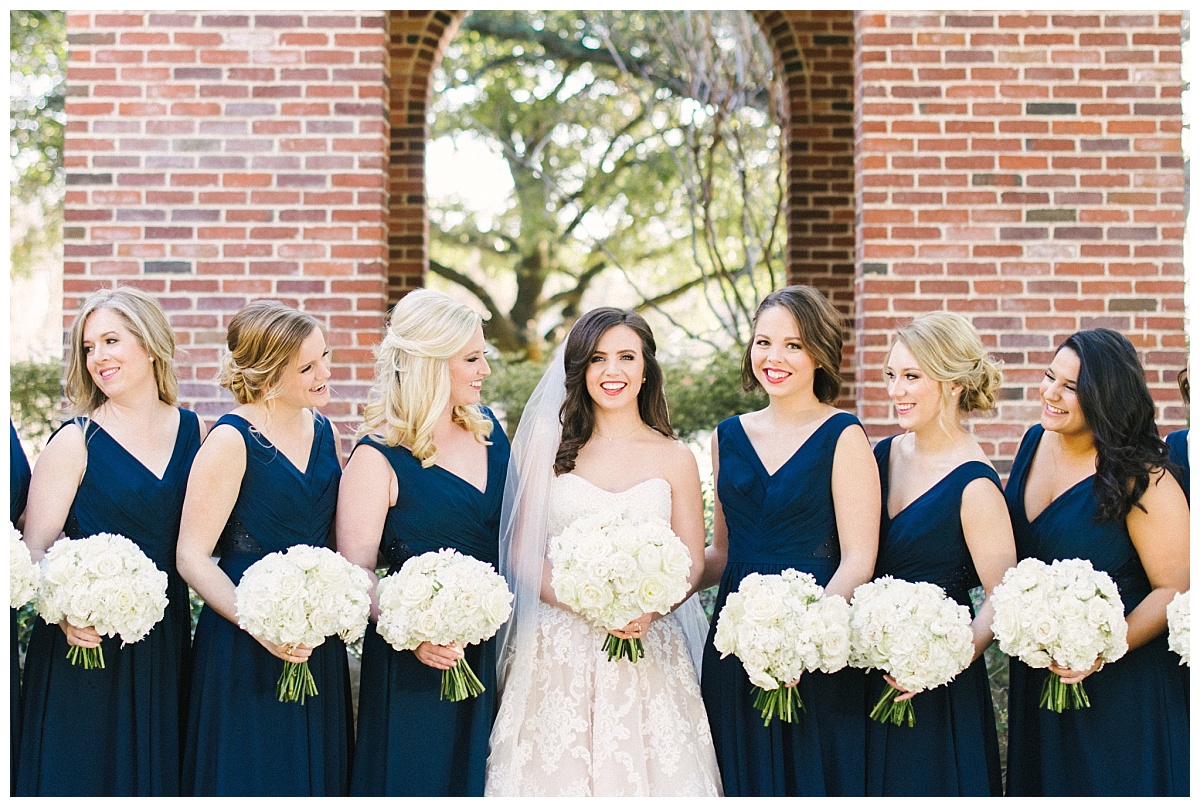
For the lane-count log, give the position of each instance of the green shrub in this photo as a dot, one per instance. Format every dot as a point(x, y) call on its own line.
point(34, 394)
point(703, 393)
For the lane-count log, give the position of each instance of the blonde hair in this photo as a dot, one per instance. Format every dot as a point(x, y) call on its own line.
point(262, 338)
point(412, 374)
point(948, 348)
point(148, 324)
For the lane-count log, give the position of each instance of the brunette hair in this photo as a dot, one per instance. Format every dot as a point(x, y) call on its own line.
point(576, 414)
point(820, 327)
point(1117, 406)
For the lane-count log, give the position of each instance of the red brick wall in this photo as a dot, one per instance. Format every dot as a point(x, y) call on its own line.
point(1024, 169)
point(217, 157)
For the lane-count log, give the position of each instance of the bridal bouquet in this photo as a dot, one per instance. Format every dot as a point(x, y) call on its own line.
point(302, 596)
point(22, 572)
point(1067, 614)
point(612, 568)
point(444, 597)
point(779, 625)
point(1179, 626)
point(912, 631)
point(104, 581)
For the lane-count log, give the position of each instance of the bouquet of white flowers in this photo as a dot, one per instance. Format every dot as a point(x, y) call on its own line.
point(1066, 614)
point(302, 596)
point(1179, 626)
point(912, 631)
point(611, 569)
point(106, 582)
point(779, 625)
point(23, 574)
point(443, 598)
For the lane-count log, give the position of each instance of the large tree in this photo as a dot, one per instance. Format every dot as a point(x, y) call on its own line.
point(640, 143)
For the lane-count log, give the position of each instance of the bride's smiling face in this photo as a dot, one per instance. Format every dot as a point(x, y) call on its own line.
point(616, 368)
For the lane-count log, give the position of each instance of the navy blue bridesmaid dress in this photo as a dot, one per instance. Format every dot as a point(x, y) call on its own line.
point(18, 490)
point(410, 742)
point(241, 741)
point(775, 522)
point(952, 750)
point(1178, 443)
point(116, 731)
point(1133, 740)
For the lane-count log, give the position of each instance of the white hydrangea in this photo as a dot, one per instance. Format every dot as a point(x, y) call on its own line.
point(442, 597)
point(304, 595)
point(780, 625)
point(23, 574)
point(912, 631)
point(612, 568)
point(104, 581)
point(1179, 626)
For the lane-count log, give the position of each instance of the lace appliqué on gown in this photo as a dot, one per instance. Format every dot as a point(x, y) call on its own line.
point(594, 727)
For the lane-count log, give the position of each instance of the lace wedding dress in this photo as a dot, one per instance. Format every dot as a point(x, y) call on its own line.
point(582, 725)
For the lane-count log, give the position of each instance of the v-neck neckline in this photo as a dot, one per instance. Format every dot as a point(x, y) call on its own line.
point(262, 439)
point(170, 461)
point(1025, 483)
point(758, 459)
point(923, 494)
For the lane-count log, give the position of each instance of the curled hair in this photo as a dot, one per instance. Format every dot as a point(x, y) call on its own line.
point(1118, 408)
point(577, 415)
point(412, 374)
point(263, 337)
point(820, 327)
point(948, 348)
point(146, 321)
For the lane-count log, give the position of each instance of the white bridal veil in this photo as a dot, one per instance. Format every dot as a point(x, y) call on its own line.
point(523, 538)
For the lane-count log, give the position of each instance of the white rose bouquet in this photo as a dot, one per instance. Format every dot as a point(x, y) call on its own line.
point(611, 569)
point(1179, 626)
point(302, 596)
point(1068, 614)
point(23, 574)
point(912, 631)
point(105, 582)
point(779, 625)
point(443, 598)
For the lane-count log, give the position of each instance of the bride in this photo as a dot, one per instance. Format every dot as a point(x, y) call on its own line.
point(595, 437)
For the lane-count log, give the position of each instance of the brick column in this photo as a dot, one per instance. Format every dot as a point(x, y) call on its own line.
point(1024, 169)
point(216, 158)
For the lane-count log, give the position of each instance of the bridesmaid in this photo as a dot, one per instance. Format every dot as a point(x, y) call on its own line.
point(428, 472)
point(120, 466)
point(943, 522)
point(796, 487)
point(1178, 441)
point(18, 490)
point(1090, 481)
point(266, 479)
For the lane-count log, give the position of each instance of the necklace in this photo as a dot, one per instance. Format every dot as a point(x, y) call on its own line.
point(619, 436)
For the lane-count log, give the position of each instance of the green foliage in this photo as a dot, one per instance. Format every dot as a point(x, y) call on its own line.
point(37, 121)
point(34, 395)
point(509, 388)
point(703, 393)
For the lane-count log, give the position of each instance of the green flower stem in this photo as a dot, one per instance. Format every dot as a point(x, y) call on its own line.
point(1058, 697)
point(460, 682)
point(92, 658)
point(781, 701)
point(899, 713)
point(296, 683)
point(623, 648)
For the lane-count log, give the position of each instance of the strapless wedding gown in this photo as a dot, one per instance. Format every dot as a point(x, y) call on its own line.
point(581, 725)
